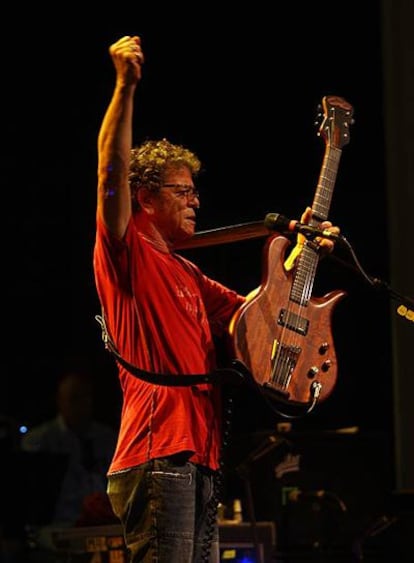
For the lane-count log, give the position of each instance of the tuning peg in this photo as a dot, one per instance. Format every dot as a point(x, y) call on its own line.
point(319, 116)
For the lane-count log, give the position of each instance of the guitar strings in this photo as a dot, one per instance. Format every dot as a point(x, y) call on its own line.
point(289, 345)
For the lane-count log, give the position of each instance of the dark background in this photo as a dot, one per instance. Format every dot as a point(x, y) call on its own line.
point(241, 89)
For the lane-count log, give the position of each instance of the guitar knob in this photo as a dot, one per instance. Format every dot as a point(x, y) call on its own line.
point(326, 365)
point(323, 348)
point(313, 372)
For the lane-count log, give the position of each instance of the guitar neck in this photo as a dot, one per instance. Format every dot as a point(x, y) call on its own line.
point(324, 190)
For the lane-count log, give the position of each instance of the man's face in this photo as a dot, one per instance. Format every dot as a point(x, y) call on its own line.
point(75, 402)
point(174, 206)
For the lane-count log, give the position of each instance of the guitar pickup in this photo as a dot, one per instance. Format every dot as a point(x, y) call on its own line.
point(293, 322)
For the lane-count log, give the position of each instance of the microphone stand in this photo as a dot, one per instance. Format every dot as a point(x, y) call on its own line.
point(257, 229)
point(243, 469)
point(223, 235)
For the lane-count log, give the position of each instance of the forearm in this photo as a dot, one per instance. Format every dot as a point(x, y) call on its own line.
point(114, 146)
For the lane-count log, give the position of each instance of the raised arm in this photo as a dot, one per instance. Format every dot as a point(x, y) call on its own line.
point(115, 137)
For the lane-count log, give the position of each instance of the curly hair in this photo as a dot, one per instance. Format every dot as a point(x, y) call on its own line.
point(150, 160)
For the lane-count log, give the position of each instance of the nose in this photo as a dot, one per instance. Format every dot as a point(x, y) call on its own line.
point(193, 201)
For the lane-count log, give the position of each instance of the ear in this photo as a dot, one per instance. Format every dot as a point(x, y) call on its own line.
point(145, 199)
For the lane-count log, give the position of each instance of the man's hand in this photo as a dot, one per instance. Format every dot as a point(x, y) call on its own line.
point(128, 58)
point(325, 245)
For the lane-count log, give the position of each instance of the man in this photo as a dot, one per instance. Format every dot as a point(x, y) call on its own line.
point(161, 313)
point(85, 447)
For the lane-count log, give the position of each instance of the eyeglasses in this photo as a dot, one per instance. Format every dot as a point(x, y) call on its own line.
point(184, 191)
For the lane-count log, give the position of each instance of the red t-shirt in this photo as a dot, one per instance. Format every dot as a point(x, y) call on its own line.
point(161, 312)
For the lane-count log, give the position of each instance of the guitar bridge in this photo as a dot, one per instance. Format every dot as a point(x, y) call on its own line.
point(284, 359)
point(294, 322)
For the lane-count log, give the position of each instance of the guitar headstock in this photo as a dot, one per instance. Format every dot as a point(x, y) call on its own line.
point(337, 118)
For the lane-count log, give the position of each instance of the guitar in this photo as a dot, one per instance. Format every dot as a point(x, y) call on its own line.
point(282, 334)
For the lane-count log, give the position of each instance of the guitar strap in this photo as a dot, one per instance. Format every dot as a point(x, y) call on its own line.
point(219, 376)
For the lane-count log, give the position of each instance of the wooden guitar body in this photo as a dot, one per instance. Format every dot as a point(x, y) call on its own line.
point(287, 346)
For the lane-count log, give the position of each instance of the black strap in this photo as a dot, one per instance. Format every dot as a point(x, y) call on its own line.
point(221, 375)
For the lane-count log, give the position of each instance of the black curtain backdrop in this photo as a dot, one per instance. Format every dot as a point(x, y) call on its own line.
point(398, 64)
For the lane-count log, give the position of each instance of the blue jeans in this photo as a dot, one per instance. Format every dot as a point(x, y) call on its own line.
point(167, 509)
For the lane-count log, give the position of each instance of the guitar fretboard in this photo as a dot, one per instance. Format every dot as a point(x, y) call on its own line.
point(302, 285)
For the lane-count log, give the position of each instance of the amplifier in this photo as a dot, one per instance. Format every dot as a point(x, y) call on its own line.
point(240, 543)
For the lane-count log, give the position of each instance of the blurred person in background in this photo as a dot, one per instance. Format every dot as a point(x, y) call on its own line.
point(86, 444)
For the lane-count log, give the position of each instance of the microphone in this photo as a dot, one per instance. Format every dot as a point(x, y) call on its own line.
point(277, 222)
